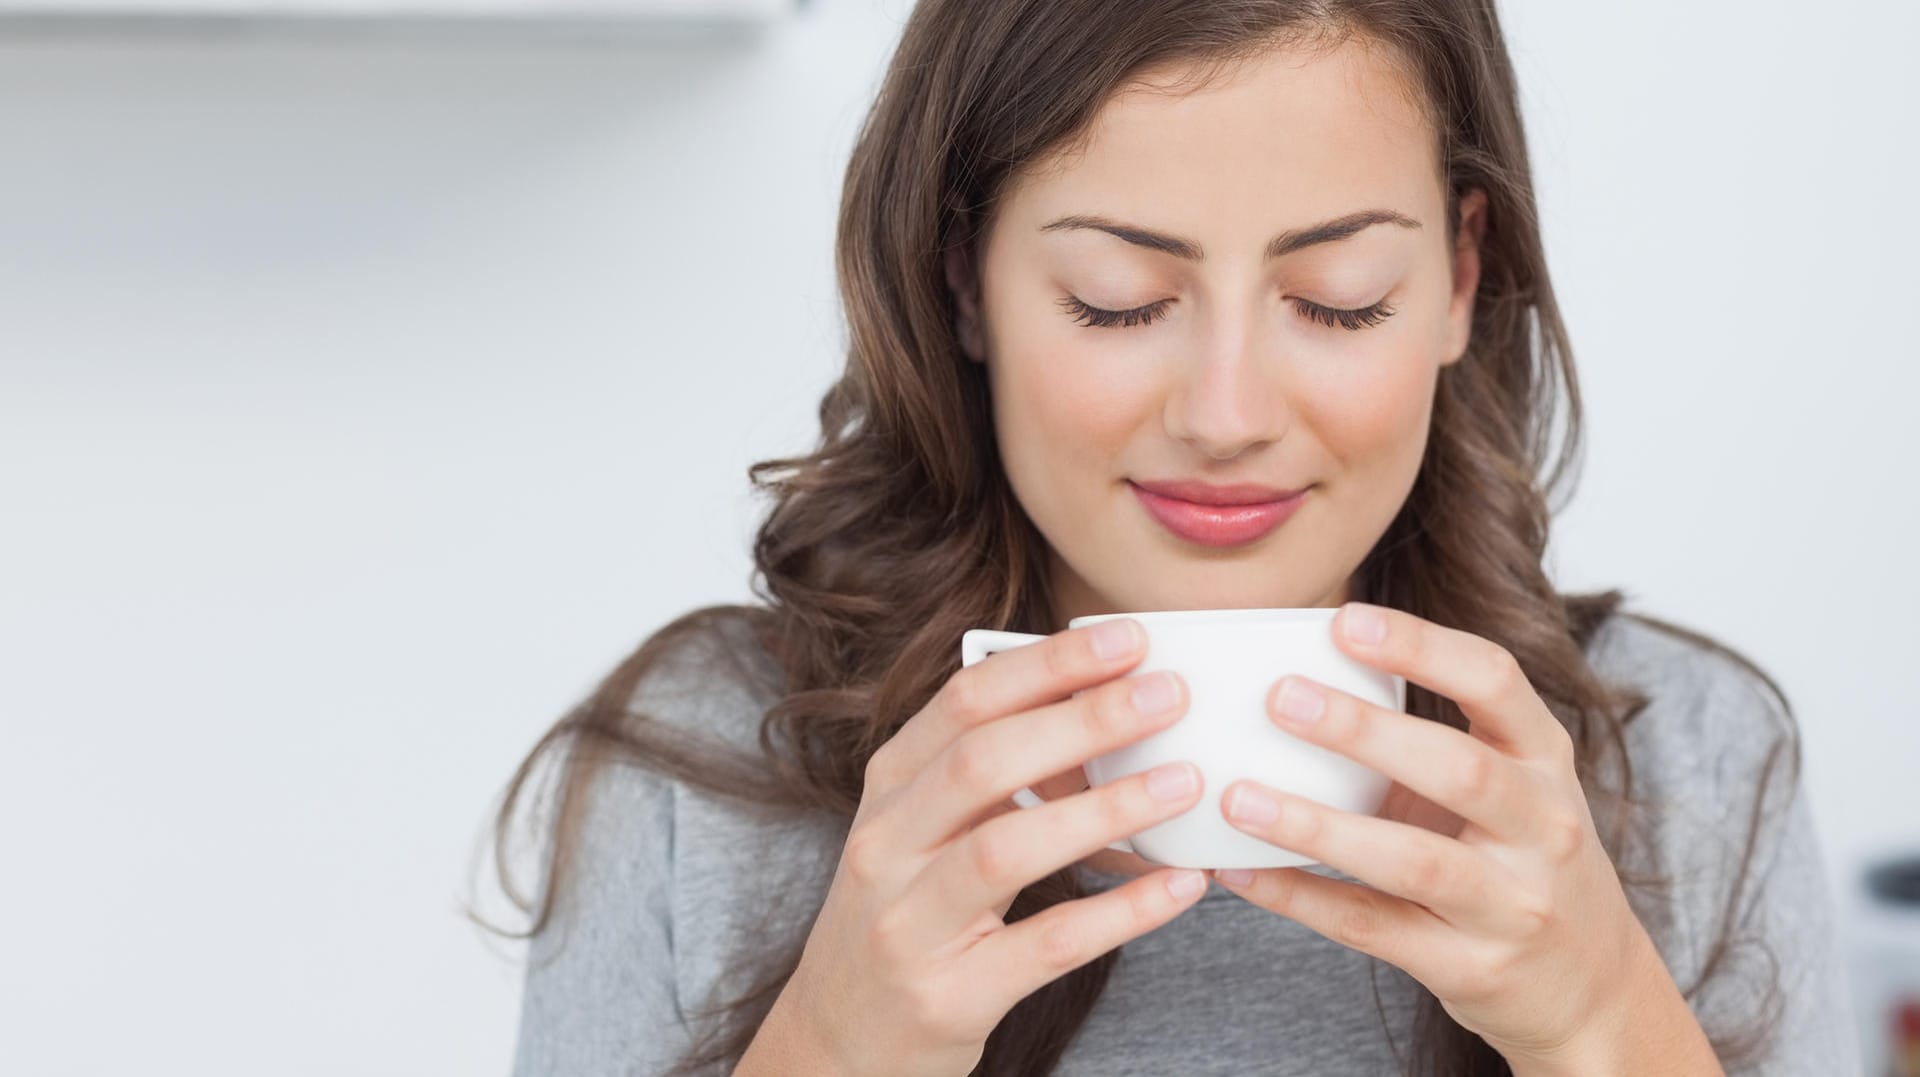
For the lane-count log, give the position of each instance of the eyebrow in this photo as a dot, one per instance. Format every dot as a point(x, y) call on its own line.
point(1283, 244)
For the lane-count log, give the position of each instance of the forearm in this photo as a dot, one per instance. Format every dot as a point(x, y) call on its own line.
point(784, 1048)
point(1652, 1032)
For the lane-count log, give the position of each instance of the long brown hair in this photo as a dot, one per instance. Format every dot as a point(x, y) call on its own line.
point(905, 485)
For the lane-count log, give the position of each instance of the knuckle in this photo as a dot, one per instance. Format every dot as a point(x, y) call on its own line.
point(927, 1007)
point(1347, 725)
point(879, 769)
point(1535, 908)
point(1110, 812)
point(1474, 778)
point(1412, 648)
point(1126, 807)
point(887, 934)
point(992, 854)
point(1109, 714)
point(964, 696)
point(1560, 744)
point(1477, 976)
point(1356, 925)
point(1503, 675)
point(1566, 835)
point(1281, 896)
point(1302, 824)
point(1425, 872)
point(1058, 947)
point(1147, 906)
point(862, 856)
point(972, 762)
point(1065, 658)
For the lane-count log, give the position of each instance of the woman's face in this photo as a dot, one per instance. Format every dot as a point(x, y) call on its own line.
point(1231, 373)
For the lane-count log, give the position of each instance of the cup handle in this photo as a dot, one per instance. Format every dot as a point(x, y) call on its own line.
point(977, 643)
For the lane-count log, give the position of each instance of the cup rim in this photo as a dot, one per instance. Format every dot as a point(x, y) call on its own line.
point(1274, 615)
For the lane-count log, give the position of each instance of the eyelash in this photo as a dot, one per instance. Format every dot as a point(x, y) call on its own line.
point(1359, 318)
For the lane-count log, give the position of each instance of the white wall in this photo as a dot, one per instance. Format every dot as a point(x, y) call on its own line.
point(363, 398)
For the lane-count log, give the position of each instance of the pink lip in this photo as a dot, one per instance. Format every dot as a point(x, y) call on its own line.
point(1218, 525)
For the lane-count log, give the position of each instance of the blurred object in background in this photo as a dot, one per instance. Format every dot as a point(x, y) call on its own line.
point(1886, 942)
point(616, 9)
point(443, 20)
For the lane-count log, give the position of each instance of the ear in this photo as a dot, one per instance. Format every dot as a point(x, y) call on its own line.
point(1466, 273)
point(965, 285)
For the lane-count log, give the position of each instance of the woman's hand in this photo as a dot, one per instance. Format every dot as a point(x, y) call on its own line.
point(909, 965)
point(1486, 878)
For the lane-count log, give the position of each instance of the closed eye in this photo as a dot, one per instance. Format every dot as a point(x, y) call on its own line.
point(1357, 318)
point(1354, 318)
point(1103, 318)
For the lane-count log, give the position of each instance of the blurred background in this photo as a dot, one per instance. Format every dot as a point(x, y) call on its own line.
point(370, 383)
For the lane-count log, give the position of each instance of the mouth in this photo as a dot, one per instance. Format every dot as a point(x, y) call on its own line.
point(1224, 523)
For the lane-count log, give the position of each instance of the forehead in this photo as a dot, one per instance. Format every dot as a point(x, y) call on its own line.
point(1294, 134)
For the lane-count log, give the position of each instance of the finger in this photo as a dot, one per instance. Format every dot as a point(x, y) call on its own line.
point(1450, 879)
point(1481, 676)
point(994, 861)
point(1050, 943)
point(1455, 770)
point(1011, 681)
point(987, 763)
point(1355, 916)
point(1066, 783)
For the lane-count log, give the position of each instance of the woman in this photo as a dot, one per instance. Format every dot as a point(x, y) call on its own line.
point(1101, 263)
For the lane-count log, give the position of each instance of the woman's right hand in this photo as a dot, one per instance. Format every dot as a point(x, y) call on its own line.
point(909, 964)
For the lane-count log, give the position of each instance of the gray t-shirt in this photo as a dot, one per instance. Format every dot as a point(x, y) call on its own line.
point(670, 878)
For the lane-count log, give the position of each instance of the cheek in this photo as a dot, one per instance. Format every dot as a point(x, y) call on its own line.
point(1371, 413)
point(1066, 408)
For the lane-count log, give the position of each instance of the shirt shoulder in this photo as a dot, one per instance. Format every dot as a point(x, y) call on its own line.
point(1711, 757)
point(747, 878)
point(1717, 740)
point(1696, 687)
point(1741, 908)
point(668, 878)
point(714, 675)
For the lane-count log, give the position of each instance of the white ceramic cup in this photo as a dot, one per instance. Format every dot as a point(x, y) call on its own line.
point(1230, 659)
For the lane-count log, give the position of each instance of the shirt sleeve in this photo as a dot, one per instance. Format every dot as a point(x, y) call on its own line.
point(599, 995)
point(1794, 913)
point(1785, 929)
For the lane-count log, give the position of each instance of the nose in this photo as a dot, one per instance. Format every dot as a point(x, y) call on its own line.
point(1228, 397)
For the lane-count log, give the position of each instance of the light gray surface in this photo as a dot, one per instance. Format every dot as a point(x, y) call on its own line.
point(670, 877)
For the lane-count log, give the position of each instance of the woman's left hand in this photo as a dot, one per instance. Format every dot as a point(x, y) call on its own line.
point(1486, 878)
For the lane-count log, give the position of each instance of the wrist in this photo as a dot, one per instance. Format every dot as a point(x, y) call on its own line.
point(1648, 1029)
point(788, 1045)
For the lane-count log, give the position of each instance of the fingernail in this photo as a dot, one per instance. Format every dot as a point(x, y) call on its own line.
point(1115, 639)
point(1364, 624)
point(1185, 884)
point(1155, 693)
point(1249, 805)
point(1299, 700)
point(1171, 781)
point(1234, 876)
